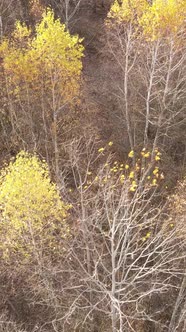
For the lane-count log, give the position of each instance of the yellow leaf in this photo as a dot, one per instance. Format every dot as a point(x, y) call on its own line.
point(101, 150)
point(131, 154)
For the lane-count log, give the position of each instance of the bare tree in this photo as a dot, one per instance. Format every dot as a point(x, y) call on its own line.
point(67, 10)
point(177, 216)
point(122, 266)
point(9, 12)
point(148, 86)
point(124, 258)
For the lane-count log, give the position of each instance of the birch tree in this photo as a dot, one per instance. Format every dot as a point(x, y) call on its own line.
point(125, 253)
point(149, 59)
point(41, 77)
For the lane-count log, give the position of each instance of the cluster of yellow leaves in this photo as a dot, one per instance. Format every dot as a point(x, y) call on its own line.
point(30, 204)
point(146, 237)
point(53, 54)
point(146, 154)
point(161, 18)
point(102, 149)
point(127, 173)
point(128, 10)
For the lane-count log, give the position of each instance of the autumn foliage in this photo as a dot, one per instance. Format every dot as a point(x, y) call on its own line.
point(159, 19)
point(92, 186)
point(41, 75)
point(50, 51)
point(31, 208)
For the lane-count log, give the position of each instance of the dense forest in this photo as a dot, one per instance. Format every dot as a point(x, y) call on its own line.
point(93, 165)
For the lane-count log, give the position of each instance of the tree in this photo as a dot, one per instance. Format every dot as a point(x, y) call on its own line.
point(177, 219)
point(32, 212)
point(41, 78)
point(149, 92)
point(10, 11)
point(67, 10)
point(125, 254)
point(122, 266)
point(161, 18)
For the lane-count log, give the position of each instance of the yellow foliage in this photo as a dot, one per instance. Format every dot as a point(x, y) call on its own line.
point(154, 182)
point(147, 155)
point(157, 158)
point(128, 10)
point(134, 177)
point(53, 55)
point(122, 178)
point(156, 170)
point(163, 18)
point(159, 19)
point(131, 154)
point(101, 150)
point(21, 32)
point(60, 53)
point(30, 204)
point(131, 175)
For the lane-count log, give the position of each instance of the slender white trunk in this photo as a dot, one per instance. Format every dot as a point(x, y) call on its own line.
point(1, 28)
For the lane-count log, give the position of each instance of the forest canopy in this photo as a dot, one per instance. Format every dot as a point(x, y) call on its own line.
point(157, 19)
point(92, 173)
